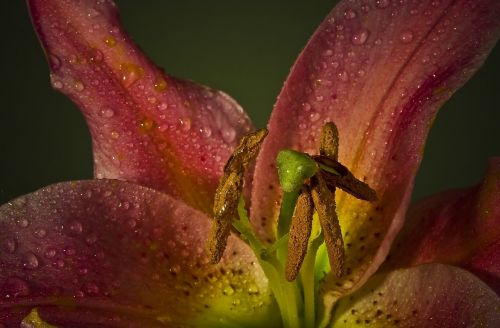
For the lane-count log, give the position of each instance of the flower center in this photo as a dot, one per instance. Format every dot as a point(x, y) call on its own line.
point(307, 221)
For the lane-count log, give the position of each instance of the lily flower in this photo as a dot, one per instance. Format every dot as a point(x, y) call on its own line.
point(128, 249)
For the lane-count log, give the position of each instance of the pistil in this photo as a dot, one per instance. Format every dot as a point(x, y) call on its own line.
point(309, 184)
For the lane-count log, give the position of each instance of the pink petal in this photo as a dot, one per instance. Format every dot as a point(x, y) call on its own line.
point(433, 295)
point(147, 127)
point(109, 253)
point(460, 227)
point(380, 71)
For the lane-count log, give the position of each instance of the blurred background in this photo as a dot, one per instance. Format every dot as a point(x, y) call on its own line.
point(245, 48)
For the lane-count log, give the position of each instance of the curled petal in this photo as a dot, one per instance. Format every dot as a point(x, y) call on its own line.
point(379, 71)
point(460, 227)
point(431, 295)
point(110, 253)
point(147, 127)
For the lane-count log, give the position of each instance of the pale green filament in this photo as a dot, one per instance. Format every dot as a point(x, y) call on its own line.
point(296, 300)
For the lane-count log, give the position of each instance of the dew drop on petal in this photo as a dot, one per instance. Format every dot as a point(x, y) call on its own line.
point(228, 290)
point(15, 287)
point(186, 124)
point(78, 85)
point(91, 239)
point(9, 245)
point(40, 233)
point(360, 37)
point(130, 73)
point(110, 41)
point(55, 62)
point(96, 56)
point(91, 288)
point(76, 226)
point(30, 261)
point(382, 3)
point(350, 13)
point(343, 76)
point(206, 131)
point(228, 135)
point(23, 223)
point(406, 36)
point(50, 253)
point(107, 112)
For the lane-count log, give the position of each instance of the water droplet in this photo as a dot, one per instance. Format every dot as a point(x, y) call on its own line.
point(30, 261)
point(160, 84)
point(253, 289)
point(130, 73)
point(186, 124)
point(228, 290)
point(206, 131)
point(314, 117)
point(23, 223)
point(41, 233)
point(360, 37)
point(163, 127)
point(406, 36)
point(90, 288)
point(343, 76)
point(115, 135)
point(350, 13)
point(9, 245)
point(55, 62)
point(131, 223)
point(110, 41)
point(146, 125)
point(107, 113)
point(15, 287)
point(57, 84)
point(91, 239)
point(69, 251)
point(78, 85)
point(50, 253)
point(229, 134)
point(382, 3)
point(306, 106)
point(96, 56)
point(92, 13)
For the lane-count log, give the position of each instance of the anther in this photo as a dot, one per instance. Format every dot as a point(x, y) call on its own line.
point(229, 191)
point(300, 231)
point(329, 141)
point(324, 203)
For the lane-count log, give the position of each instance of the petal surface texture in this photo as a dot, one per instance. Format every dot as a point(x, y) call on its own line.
point(432, 295)
point(380, 70)
point(107, 253)
point(147, 127)
point(460, 227)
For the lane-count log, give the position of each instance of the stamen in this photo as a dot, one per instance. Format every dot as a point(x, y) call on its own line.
point(229, 192)
point(225, 206)
point(337, 175)
point(329, 142)
point(324, 203)
point(246, 151)
point(300, 231)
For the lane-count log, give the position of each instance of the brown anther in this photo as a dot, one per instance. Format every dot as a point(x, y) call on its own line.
point(229, 191)
point(329, 142)
point(300, 231)
point(246, 151)
point(337, 175)
point(324, 203)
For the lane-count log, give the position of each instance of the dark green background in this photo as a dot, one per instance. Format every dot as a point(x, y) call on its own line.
point(243, 47)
